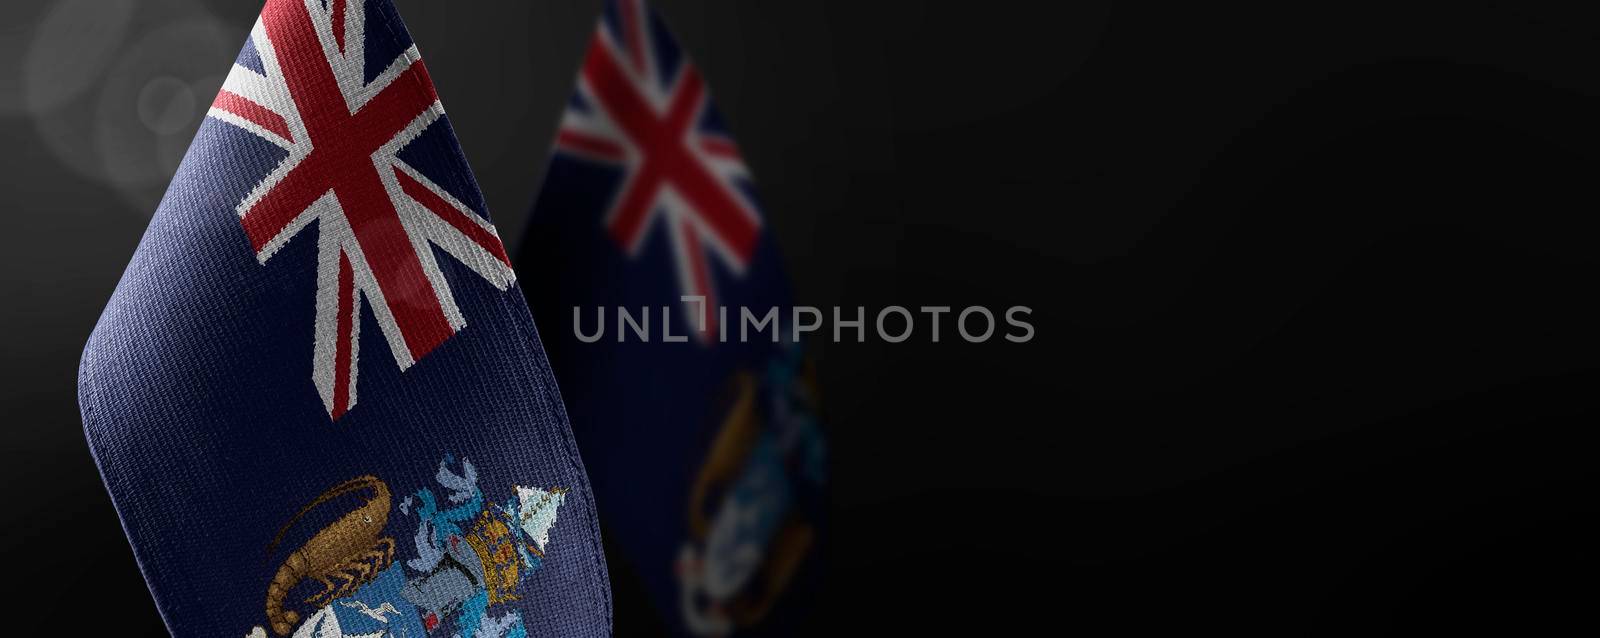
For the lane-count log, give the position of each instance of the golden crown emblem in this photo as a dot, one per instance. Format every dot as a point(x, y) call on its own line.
point(492, 540)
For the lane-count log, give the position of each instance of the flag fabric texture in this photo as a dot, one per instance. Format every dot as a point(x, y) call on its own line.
point(707, 457)
point(317, 397)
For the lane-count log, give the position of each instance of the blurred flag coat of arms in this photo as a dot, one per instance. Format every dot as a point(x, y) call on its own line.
point(706, 454)
point(317, 397)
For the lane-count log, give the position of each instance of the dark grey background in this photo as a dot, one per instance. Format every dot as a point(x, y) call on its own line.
point(1312, 285)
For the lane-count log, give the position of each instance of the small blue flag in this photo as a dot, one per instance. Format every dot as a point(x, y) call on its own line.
point(700, 432)
point(317, 397)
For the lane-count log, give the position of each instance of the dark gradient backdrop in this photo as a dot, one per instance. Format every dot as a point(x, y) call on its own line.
point(1313, 285)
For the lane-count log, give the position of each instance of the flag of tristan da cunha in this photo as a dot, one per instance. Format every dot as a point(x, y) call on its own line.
point(317, 397)
point(701, 437)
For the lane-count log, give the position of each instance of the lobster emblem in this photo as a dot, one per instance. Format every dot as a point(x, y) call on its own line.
point(749, 529)
point(342, 557)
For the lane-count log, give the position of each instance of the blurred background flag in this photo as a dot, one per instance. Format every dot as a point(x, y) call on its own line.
point(704, 448)
point(316, 397)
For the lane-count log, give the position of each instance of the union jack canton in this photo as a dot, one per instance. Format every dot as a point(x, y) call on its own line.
point(343, 120)
point(641, 106)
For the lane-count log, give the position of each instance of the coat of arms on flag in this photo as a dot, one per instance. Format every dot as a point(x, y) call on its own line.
point(325, 210)
point(647, 201)
point(471, 556)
